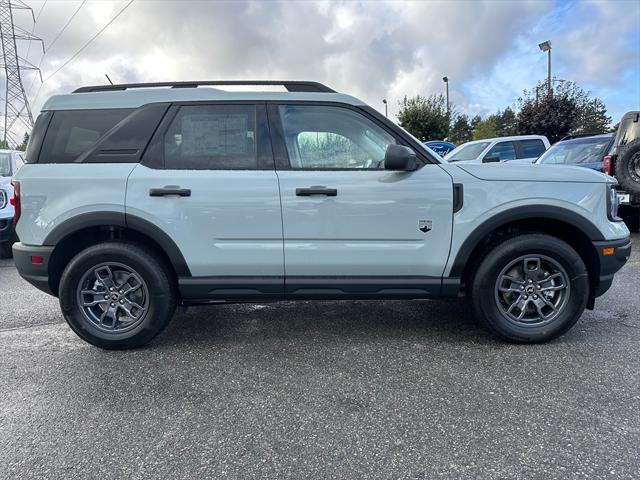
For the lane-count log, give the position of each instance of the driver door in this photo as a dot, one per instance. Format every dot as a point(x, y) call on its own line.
point(352, 228)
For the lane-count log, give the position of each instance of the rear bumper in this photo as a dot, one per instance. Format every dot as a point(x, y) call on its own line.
point(37, 274)
point(610, 264)
point(6, 229)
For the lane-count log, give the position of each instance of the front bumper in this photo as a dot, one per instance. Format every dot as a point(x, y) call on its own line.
point(612, 261)
point(6, 229)
point(36, 273)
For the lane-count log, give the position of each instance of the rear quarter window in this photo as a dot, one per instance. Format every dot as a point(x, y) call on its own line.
point(531, 148)
point(73, 132)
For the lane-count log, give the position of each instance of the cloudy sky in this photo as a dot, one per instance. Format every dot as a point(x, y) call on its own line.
point(373, 50)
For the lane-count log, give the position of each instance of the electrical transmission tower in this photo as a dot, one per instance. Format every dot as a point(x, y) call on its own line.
point(17, 112)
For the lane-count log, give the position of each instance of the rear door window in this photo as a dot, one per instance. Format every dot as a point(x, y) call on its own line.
point(212, 137)
point(73, 132)
point(532, 148)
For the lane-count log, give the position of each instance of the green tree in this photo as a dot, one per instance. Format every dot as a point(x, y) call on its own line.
point(508, 123)
point(567, 109)
point(487, 128)
point(592, 117)
point(4, 145)
point(25, 141)
point(461, 131)
point(552, 116)
point(425, 117)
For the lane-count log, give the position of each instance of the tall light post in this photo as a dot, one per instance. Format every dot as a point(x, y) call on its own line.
point(384, 100)
point(546, 47)
point(446, 82)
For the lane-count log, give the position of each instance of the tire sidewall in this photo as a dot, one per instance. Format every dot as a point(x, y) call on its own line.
point(623, 168)
point(497, 259)
point(161, 303)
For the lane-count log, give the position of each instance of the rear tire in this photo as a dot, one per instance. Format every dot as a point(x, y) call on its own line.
point(536, 277)
point(628, 167)
point(116, 295)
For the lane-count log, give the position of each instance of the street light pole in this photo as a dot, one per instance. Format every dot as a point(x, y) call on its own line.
point(384, 100)
point(546, 47)
point(446, 82)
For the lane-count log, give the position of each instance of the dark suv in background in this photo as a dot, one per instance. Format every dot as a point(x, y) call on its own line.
point(623, 162)
point(581, 151)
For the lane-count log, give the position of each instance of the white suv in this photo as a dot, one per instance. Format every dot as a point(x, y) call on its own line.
point(521, 149)
point(10, 163)
point(137, 198)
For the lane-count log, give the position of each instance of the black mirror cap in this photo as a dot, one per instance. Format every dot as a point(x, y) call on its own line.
point(400, 158)
point(490, 159)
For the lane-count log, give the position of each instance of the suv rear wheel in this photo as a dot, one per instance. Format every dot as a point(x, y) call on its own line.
point(628, 167)
point(530, 288)
point(116, 295)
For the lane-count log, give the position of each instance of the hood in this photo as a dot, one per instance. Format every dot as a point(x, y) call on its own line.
point(534, 173)
point(4, 181)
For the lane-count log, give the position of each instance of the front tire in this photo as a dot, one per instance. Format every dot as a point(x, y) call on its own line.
point(115, 295)
point(530, 288)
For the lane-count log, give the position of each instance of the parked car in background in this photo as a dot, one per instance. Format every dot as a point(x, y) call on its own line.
point(623, 163)
point(10, 162)
point(582, 151)
point(440, 146)
point(519, 149)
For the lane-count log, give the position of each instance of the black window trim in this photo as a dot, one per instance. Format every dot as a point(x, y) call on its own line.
point(47, 115)
point(153, 156)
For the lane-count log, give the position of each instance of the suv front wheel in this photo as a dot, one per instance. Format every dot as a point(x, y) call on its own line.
point(530, 288)
point(115, 295)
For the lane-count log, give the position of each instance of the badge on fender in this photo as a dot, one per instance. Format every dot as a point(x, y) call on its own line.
point(424, 225)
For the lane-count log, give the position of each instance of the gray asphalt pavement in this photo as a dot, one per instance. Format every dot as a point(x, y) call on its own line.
point(320, 390)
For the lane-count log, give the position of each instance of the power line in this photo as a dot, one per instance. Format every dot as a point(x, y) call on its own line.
point(35, 21)
point(39, 12)
point(53, 41)
point(89, 42)
point(64, 28)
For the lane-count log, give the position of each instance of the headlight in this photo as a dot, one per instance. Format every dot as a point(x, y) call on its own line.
point(612, 204)
point(3, 199)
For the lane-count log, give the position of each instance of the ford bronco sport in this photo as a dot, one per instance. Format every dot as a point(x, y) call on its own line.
point(136, 198)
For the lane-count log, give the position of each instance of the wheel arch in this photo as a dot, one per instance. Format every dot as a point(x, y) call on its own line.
point(76, 234)
point(558, 222)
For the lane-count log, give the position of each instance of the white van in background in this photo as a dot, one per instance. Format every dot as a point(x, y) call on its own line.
point(519, 149)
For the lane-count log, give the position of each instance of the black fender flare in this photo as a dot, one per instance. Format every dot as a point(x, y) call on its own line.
point(120, 219)
point(525, 212)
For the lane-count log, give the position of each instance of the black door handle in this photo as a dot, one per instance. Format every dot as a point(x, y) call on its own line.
point(170, 190)
point(316, 190)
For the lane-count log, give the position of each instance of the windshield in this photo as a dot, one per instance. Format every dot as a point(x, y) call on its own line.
point(569, 153)
point(467, 152)
point(5, 165)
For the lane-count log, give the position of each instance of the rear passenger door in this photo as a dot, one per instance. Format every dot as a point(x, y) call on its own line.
point(208, 181)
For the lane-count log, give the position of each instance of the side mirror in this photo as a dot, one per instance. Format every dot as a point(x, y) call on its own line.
point(401, 158)
point(490, 159)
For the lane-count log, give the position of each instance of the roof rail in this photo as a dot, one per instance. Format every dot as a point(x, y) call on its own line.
point(293, 86)
point(583, 135)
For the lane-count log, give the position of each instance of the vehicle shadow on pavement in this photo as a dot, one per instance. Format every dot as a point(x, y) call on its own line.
point(352, 321)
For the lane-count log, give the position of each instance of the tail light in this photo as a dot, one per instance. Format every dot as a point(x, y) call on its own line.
point(607, 164)
point(15, 201)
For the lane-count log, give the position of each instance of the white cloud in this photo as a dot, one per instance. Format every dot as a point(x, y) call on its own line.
point(373, 50)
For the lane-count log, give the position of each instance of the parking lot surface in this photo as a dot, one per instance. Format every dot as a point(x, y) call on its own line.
point(321, 390)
